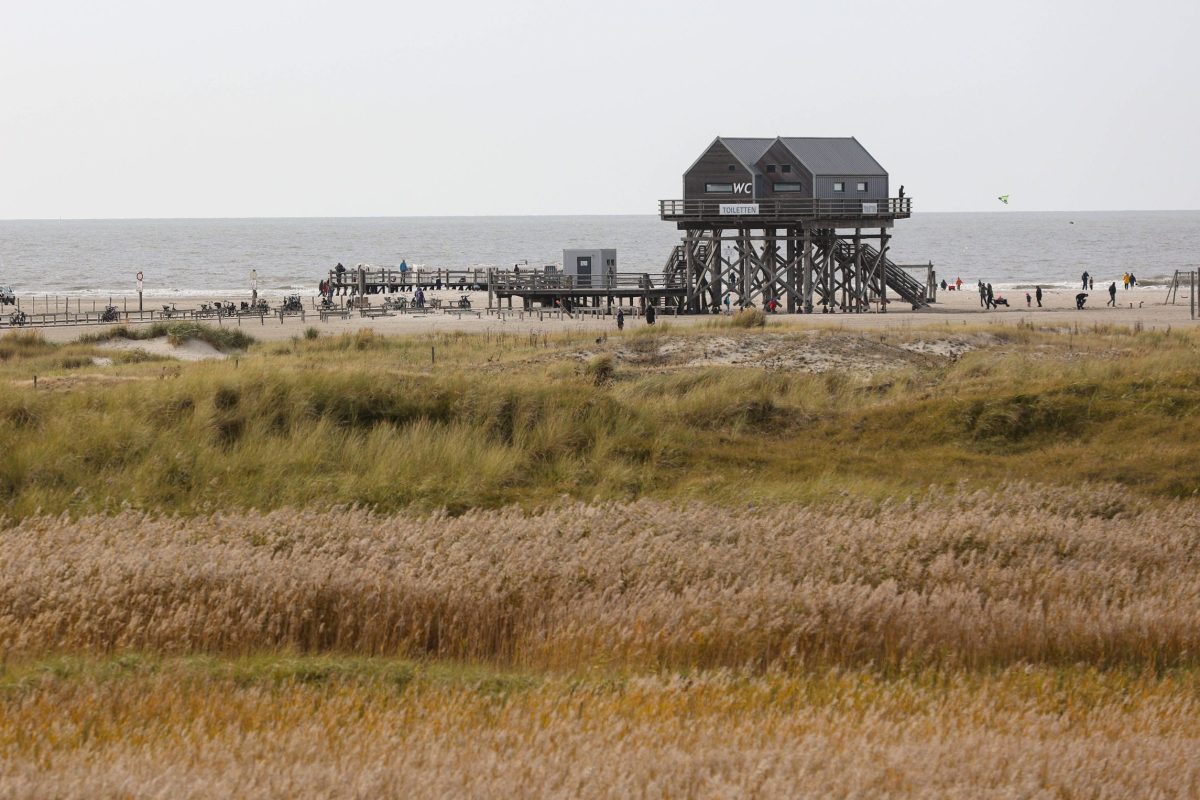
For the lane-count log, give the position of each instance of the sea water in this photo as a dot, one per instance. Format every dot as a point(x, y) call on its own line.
point(199, 257)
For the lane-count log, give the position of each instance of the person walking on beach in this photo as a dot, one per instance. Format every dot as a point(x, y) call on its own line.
point(1080, 299)
point(1125, 281)
point(991, 297)
point(1037, 293)
point(650, 315)
point(982, 295)
point(958, 284)
point(1132, 281)
point(620, 319)
point(1085, 280)
point(1091, 283)
point(1112, 294)
point(1028, 300)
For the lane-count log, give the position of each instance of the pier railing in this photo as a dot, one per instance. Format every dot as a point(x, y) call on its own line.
point(394, 279)
point(890, 207)
point(531, 282)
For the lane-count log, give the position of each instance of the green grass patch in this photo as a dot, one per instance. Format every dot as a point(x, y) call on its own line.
point(371, 420)
point(224, 339)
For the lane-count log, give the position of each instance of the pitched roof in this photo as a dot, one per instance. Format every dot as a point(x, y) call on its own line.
point(748, 151)
point(829, 156)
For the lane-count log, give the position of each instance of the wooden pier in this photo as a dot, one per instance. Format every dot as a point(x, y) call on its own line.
point(598, 292)
point(533, 287)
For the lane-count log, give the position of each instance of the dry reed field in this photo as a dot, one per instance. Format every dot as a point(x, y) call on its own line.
point(938, 647)
point(1025, 732)
point(568, 568)
point(952, 580)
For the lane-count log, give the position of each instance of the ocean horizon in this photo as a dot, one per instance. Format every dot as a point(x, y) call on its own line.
point(201, 256)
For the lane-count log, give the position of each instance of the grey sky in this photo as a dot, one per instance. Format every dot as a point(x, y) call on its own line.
point(160, 109)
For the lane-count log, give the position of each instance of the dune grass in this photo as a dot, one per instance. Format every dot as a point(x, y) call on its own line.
point(362, 419)
point(224, 338)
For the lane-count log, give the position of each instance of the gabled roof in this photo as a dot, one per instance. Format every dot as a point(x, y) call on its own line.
point(748, 151)
point(829, 156)
point(820, 155)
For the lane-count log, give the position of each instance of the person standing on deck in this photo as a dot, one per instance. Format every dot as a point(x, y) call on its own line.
point(1112, 294)
point(1085, 280)
point(1038, 295)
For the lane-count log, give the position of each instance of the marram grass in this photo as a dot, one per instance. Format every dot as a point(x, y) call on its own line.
point(502, 419)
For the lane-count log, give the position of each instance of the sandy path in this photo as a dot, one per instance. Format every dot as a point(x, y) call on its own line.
point(1143, 306)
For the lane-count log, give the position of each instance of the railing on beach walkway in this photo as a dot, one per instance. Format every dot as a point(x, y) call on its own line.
point(506, 281)
point(367, 279)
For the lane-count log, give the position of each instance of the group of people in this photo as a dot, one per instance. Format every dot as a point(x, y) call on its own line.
point(1128, 279)
point(1089, 283)
point(990, 300)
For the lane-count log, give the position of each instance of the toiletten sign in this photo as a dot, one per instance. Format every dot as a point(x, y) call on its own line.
point(870, 208)
point(739, 208)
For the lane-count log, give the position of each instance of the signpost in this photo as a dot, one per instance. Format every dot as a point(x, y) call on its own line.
point(139, 288)
point(870, 208)
point(254, 287)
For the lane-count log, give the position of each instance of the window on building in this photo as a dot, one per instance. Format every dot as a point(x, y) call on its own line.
point(862, 186)
point(787, 167)
point(838, 186)
point(718, 188)
point(733, 168)
point(787, 187)
point(770, 167)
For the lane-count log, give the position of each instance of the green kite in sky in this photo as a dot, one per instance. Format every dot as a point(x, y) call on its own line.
point(1003, 199)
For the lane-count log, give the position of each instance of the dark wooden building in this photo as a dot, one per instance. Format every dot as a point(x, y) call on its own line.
point(792, 222)
point(785, 168)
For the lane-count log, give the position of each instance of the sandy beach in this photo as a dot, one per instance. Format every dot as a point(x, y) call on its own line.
point(1143, 305)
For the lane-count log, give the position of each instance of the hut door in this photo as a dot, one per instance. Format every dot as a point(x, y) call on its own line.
point(583, 270)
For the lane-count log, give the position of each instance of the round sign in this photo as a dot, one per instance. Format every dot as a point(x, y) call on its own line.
point(139, 277)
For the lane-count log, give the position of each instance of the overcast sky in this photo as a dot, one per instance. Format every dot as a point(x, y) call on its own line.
point(354, 108)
